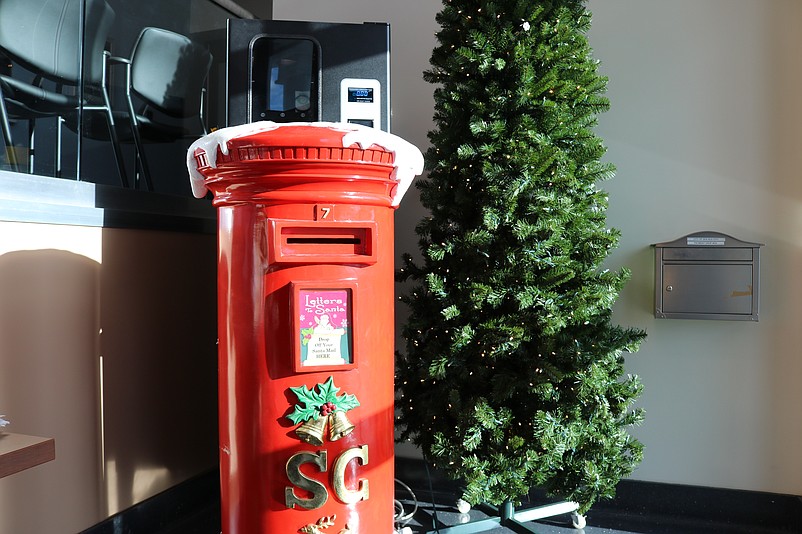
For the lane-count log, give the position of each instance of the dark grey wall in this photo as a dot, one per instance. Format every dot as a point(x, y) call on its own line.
point(261, 9)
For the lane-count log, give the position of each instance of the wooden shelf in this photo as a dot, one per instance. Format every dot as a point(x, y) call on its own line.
point(19, 452)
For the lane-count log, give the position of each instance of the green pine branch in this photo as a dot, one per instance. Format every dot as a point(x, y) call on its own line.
point(513, 373)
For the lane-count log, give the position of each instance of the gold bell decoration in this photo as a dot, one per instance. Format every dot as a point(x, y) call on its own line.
point(312, 430)
point(321, 406)
point(340, 425)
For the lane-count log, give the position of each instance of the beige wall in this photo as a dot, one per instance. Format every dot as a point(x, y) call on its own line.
point(49, 320)
point(705, 132)
point(107, 343)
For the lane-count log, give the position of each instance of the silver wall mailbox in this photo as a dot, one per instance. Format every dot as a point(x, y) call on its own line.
point(707, 275)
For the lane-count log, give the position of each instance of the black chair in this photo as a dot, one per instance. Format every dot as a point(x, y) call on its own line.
point(44, 37)
point(165, 90)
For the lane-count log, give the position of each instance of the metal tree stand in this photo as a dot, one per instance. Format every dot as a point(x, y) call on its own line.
point(506, 516)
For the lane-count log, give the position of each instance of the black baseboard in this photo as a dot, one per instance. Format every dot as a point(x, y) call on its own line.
point(749, 511)
point(193, 507)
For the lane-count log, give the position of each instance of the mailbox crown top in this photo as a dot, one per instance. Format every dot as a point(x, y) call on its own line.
point(707, 239)
point(270, 141)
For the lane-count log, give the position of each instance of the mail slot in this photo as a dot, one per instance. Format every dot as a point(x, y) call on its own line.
point(707, 275)
point(330, 243)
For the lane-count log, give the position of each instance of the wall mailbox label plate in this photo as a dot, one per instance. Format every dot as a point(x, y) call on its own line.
point(323, 326)
point(696, 241)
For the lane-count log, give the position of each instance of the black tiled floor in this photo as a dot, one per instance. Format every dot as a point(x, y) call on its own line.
point(639, 508)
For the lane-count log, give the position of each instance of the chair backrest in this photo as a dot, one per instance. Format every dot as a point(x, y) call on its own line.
point(168, 71)
point(44, 36)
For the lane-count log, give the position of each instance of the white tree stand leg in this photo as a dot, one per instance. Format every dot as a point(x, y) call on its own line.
point(508, 517)
point(463, 506)
point(578, 520)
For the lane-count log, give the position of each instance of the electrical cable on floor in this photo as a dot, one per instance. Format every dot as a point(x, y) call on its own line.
point(400, 518)
point(435, 521)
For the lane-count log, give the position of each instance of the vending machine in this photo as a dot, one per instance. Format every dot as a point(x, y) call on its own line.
point(289, 71)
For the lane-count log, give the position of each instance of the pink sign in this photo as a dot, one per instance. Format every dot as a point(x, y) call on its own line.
point(325, 326)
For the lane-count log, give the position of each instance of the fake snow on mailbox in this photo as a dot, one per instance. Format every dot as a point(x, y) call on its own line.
point(306, 329)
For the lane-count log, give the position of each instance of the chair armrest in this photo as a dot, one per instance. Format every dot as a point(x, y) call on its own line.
point(119, 60)
point(115, 59)
point(111, 61)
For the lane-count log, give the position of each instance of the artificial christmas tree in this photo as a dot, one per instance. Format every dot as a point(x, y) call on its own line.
point(513, 374)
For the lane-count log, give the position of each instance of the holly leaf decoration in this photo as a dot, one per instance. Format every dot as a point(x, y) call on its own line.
point(312, 402)
point(299, 415)
point(328, 391)
point(314, 399)
point(346, 402)
point(308, 396)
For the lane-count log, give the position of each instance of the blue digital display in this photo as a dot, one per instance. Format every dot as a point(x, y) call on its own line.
point(360, 94)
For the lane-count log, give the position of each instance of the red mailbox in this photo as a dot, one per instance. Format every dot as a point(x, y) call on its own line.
point(306, 327)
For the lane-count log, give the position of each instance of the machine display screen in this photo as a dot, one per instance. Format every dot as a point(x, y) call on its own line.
point(360, 94)
point(284, 79)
